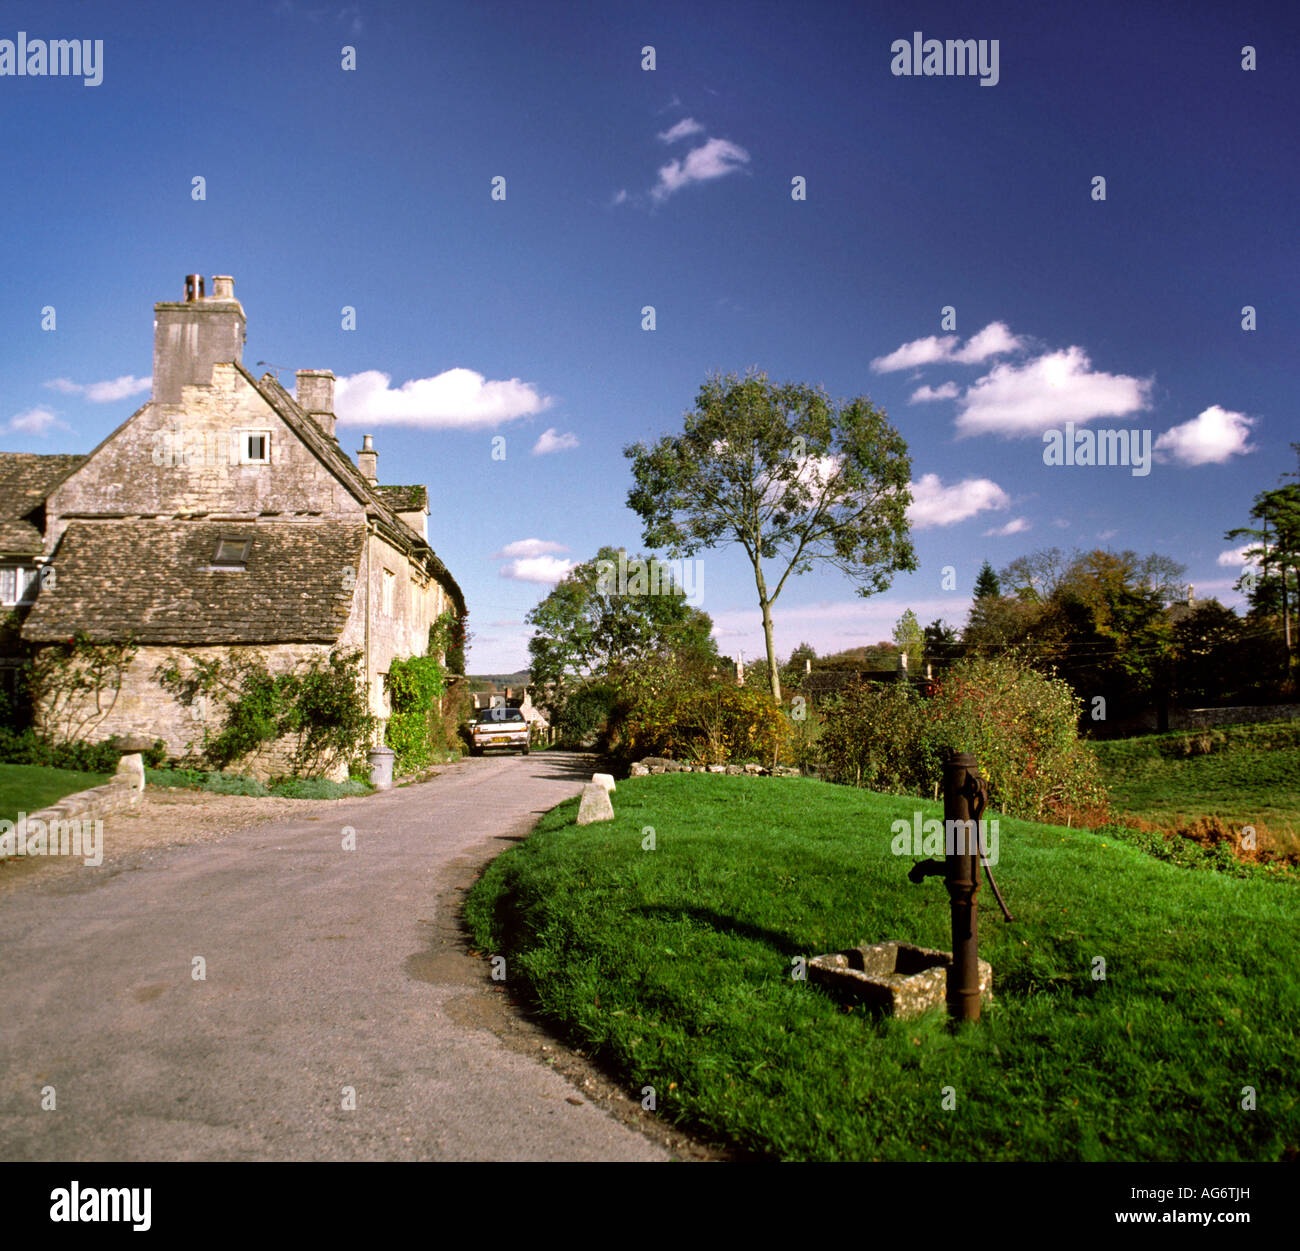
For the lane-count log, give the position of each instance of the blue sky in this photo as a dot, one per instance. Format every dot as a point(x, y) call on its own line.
point(371, 188)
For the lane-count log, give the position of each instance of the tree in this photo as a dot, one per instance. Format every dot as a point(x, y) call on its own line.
point(1275, 549)
point(597, 624)
point(1099, 618)
point(786, 473)
point(986, 583)
point(911, 640)
point(942, 644)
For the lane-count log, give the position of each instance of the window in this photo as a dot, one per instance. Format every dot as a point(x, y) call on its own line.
point(232, 553)
point(19, 584)
point(389, 579)
point(254, 447)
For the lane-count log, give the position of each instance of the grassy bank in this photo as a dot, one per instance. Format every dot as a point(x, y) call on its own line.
point(29, 788)
point(1239, 775)
point(675, 966)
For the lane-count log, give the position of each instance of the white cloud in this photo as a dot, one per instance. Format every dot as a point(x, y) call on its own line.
point(919, 352)
point(528, 547)
point(1208, 439)
point(1017, 525)
point(1019, 400)
point(994, 340)
point(552, 442)
point(715, 158)
point(38, 421)
point(934, 504)
point(536, 569)
point(456, 399)
point(1103, 535)
point(686, 127)
point(103, 392)
point(620, 196)
point(1236, 557)
point(923, 395)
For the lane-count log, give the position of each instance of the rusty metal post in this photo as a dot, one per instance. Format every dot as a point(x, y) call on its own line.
point(963, 883)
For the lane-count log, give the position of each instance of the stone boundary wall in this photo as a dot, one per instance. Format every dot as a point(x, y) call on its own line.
point(1207, 718)
point(660, 764)
point(123, 791)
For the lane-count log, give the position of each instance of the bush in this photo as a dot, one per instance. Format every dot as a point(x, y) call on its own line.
point(719, 725)
point(1023, 728)
point(584, 715)
point(873, 735)
point(415, 729)
point(1021, 725)
point(27, 747)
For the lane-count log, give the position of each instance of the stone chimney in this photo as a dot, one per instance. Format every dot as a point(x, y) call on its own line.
point(316, 397)
point(192, 335)
point(367, 459)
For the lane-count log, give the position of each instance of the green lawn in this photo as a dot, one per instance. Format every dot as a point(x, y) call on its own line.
point(1250, 776)
point(674, 965)
point(29, 788)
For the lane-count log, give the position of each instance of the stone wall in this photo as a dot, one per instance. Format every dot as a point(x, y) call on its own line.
point(143, 708)
point(1206, 718)
point(121, 793)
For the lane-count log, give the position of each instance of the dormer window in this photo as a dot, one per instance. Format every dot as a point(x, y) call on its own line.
point(254, 447)
point(232, 553)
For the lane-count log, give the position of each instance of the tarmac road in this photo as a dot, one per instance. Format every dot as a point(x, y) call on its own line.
point(325, 970)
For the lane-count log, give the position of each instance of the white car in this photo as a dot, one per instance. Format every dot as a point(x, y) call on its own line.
point(499, 727)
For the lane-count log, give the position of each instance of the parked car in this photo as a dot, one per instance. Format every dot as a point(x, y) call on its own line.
point(499, 727)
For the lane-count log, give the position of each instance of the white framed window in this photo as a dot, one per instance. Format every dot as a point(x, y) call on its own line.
point(18, 584)
point(254, 447)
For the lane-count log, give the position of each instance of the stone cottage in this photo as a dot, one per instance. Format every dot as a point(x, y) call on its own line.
point(222, 518)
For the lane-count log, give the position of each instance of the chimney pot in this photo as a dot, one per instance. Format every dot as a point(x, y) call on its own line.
point(223, 287)
point(367, 460)
point(193, 288)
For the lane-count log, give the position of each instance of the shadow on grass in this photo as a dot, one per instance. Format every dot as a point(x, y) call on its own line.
point(727, 925)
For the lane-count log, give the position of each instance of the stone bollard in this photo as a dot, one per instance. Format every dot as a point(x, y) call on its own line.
point(131, 767)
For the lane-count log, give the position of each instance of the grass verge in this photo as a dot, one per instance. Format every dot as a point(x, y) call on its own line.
point(29, 788)
point(235, 784)
point(675, 967)
point(1211, 781)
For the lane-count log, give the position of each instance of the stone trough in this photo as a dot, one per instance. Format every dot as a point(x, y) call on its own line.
point(897, 979)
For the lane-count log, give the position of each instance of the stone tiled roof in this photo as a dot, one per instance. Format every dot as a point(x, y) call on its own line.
point(25, 479)
point(404, 499)
point(153, 580)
